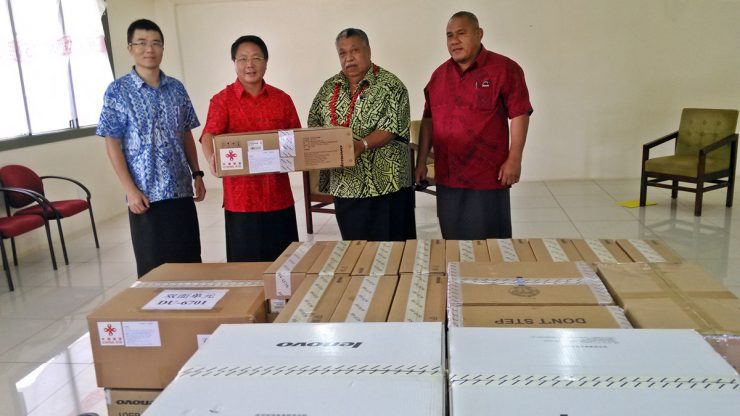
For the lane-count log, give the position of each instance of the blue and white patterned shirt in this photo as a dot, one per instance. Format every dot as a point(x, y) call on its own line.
point(151, 122)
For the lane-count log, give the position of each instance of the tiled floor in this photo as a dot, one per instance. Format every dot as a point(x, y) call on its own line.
point(45, 362)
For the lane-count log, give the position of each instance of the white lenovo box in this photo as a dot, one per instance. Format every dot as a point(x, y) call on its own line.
point(312, 369)
point(586, 372)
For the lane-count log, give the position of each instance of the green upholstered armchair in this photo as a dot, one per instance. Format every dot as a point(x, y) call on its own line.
point(705, 155)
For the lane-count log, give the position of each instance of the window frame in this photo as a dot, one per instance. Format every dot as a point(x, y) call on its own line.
point(28, 140)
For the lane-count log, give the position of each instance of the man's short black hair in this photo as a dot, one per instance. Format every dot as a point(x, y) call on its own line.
point(142, 24)
point(249, 39)
point(470, 16)
point(349, 32)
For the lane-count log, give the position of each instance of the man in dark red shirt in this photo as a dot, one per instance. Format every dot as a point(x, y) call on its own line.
point(259, 211)
point(469, 101)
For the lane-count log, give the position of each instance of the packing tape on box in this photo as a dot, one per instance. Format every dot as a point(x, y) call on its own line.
point(287, 143)
point(364, 296)
point(454, 295)
point(618, 315)
point(421, 257)
point(600, 250)
point(314, 370)
point(417, 301)
point(601, 382)
point(382, 255)
point(507, 250)
point(554, 249)
point(287, 150)
point(601, 294)
point(648, 252)
point(467, 254)
point(197, 284)
point(282, 276)
point(311, 299)
point(335, 257)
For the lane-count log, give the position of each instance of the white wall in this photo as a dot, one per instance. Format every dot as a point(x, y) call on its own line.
point(604, 76)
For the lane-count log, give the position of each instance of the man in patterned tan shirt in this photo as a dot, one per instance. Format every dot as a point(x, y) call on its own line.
point(374, 199)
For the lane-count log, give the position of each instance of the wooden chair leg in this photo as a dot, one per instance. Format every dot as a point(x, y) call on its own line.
point(698, 199)
point(307, 202)
point(643, 188)
point(730, 190)
point(674, 189)
point(6, 266)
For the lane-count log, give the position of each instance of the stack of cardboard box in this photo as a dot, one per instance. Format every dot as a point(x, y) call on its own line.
point(142, 336)
point(422, 289)
point(283, 277)
point(534, 372)
point(313, 369)
point(530, 294)
point(677, 295)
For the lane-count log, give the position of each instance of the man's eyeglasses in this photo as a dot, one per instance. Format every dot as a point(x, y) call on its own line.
point(252, 59)
point(142, 44)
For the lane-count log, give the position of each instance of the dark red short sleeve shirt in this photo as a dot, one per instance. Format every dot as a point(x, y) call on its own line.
point(233, 110)
point(470, 114)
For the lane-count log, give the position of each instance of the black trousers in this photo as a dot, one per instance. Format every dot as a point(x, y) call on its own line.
point(259, 236)
point(166, 233)
point(388, 217)
point(469, 214)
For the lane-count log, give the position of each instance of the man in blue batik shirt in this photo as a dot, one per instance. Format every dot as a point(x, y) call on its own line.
point(146, 120)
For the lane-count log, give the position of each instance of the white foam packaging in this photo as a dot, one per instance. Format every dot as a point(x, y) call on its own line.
point(606, 372)
point(312, 369)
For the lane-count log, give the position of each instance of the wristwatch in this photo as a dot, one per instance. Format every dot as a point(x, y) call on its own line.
point(198, 173)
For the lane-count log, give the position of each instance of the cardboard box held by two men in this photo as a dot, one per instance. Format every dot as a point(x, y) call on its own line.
point(283, 151)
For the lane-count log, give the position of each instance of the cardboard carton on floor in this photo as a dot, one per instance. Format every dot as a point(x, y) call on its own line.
point(141, 337)
point(283, 151)
point(477, 286)
point(554, 249)
point(419, 298)
point(287, 272)
point(678, 295)
point(538, 317)
point(364, 369)
point(180, 272)
point(315, 300)
point(379, 258)
point(424, 256)
point(129, 402)
point(467, 251)
point(574, 370)
point(525, 269)
point(510, 250)
point(595, 251)
point(366, 299)
point(649, 251)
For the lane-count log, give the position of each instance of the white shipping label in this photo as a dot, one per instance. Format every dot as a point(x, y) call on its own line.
point(264, 161)
point(186, 299)
point(141, 334)
point(231, 158)
point(287, 142)
point(110, 334)
point(255, 146)
point(277, 305)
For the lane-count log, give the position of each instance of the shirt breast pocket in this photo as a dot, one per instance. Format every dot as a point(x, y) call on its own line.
point(485, 95)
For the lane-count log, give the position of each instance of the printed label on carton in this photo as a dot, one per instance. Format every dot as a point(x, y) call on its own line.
point(110, 334)
point(264, 161)
point(231, 158)
point(186, 299)
point(141, 334)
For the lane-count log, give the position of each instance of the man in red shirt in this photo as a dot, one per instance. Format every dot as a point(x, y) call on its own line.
point(259, 209)
point(469, 101)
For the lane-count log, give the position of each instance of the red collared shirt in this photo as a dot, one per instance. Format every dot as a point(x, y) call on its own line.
point(233, 110)
point(470, 114)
